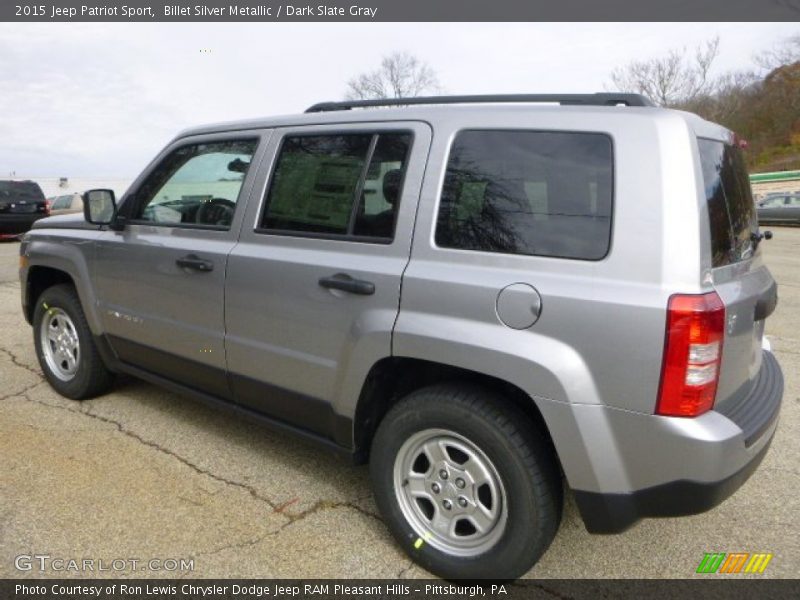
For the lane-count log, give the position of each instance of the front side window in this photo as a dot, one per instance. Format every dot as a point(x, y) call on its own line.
point(339, 185)
point(197, 184)
point(528, 192)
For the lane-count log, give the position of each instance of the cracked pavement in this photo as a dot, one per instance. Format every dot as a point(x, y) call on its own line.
point(144, 473)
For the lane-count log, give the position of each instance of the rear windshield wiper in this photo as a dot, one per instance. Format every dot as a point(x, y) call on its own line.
point(756, 238)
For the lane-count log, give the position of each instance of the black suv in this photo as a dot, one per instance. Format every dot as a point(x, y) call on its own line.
point(21, 203)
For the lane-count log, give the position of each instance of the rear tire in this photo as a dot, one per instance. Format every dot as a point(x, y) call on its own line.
point(65, 347)
point(467, 483)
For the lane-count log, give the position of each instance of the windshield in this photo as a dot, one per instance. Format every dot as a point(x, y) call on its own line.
point(731, 209)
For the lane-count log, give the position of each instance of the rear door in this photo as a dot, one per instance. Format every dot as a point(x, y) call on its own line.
point(313, 287)
point(741, 279)
point(161, 281)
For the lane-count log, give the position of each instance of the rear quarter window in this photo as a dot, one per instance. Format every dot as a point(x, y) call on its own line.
point(528, 192)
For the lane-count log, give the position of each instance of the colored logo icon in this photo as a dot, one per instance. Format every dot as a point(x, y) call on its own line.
point(735, 562)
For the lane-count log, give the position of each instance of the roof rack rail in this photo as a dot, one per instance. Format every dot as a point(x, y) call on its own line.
point(598, 99)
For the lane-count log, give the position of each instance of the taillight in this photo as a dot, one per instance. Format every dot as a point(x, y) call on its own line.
point(692, 355)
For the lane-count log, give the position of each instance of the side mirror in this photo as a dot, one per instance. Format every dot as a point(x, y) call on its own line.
point(99, 206)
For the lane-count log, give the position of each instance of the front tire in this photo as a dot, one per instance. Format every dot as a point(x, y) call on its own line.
point(467, 483)
point(65, 347)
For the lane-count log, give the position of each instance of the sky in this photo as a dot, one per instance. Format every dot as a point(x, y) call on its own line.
point(100, 100)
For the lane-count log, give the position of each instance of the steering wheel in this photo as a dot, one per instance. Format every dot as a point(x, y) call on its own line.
point(217, 211)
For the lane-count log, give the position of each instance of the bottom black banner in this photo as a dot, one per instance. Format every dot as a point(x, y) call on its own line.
point(342, 589)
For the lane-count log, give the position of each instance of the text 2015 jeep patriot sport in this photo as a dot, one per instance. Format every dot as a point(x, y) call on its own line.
point(484, 297)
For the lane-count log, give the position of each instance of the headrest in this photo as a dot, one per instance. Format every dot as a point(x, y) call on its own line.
point(392, 181)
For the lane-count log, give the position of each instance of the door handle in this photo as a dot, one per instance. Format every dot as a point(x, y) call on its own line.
point(343, 281)
point(195, 263)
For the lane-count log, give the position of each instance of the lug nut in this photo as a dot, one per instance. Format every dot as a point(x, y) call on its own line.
point(443, 474)
point(447, 504)
point(435, 487)
point(462, 502)
point(460, 483)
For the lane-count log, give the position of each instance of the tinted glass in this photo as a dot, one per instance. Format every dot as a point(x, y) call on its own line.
point(380, 197)
point(315, 183)
point(528, 192)
point(61, 202)
point(731, 209)
point(318, 178)
point(196, 184)
point(773, 202)
point(22, 190)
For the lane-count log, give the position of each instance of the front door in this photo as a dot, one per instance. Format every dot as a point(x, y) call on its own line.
point(160, 281)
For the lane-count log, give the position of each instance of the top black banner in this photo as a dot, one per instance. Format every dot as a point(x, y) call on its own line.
point(401, 10)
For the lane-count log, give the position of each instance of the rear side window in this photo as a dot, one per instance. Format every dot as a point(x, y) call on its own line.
point(62, 202)
point(528, 192)
point(731, 210)
point(342, 185)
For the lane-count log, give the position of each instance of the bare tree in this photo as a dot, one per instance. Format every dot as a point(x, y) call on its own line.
point(675, 79)
point(400, 75)
point(732, 94)
point(785, 52)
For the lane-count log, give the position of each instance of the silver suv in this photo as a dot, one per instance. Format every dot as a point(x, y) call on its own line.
point(486, 298)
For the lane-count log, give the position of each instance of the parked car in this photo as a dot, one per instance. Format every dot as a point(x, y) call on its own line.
point(21, 203)
point(482, 297)
point(784, 208)
point(66, 204)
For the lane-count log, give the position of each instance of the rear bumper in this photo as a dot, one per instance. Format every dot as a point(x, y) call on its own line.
point(614, 513)
point(13, 224)
point(654, 466)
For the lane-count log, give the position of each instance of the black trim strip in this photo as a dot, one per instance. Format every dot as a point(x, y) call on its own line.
point(298, 410)
point(199, 226)
point(336, 237)
point(191, 373)
point(756, 411)
point(237, 409)
point(273, 406)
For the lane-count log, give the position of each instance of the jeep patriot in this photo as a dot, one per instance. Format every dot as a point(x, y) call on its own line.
point(488, 299)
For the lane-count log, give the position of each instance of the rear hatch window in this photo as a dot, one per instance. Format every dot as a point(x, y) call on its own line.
point(20, 196)
point(733, 220)
point(731, 209)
